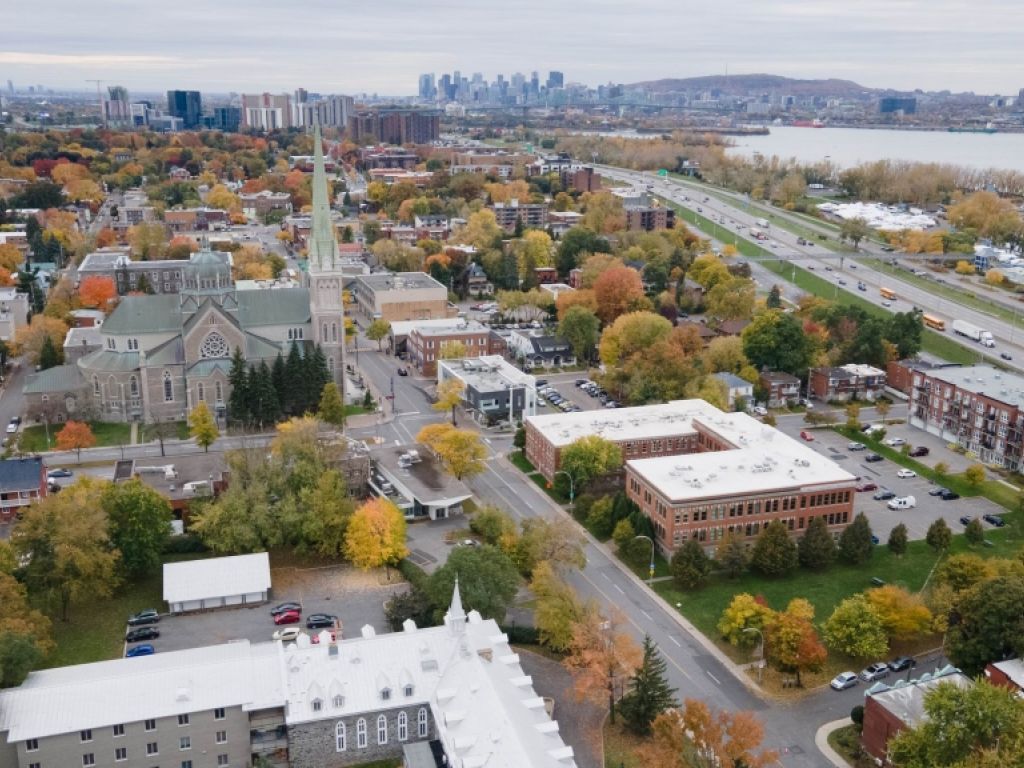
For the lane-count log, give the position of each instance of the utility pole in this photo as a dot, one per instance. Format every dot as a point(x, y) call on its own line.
point(99, 97)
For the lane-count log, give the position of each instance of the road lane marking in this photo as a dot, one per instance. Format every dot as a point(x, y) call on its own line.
point(620, 589)
point(675, 641)
point(606, 576)
point(645, 613)
point(713, 677)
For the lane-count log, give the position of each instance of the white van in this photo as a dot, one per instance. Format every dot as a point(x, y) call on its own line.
point(903, 502)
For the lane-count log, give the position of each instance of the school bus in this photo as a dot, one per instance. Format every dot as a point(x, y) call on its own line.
point(888, 293)
point(934, 322)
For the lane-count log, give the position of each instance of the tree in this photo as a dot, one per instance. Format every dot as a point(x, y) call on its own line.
point(904, 615)
point(449, 396)
point(452, 350)
point(202, 427)
point(698, 737)
point(776, 341)
point(988, 214)
point(961, 725)
point(65, 541)
point(97, 291)
point(744, 612)
point(377, 331)
point(580, 326)
point(331, 409)
point(854, 230)
point(690, 565)
point(632, 333)
point(488, 581)
point(882, 409)
point(792, 642)
point(29, 338)
point(961, 572)
point(481, 230)
point(74, 436)
point(649, 693)
point(898, 540)
point(618, 290)
point(557, 607)
point(602, 652)
point(239, 408)
point(855, 544)
point(988, 624)
point(574, 243)
point(24, 631)
point(221, 197)
point(975, 475)
point(774, 552)
point(376, 535)
point(974, 532)
point(544, 541)
point(774, 298)
point(817, 548)
point(49, 355)
point(461, 451)
point(140, 524)
point(939, 537)
point(964, 267)
point(731, 300)
point(855, 629)
point(731, 555)
point(588, 458)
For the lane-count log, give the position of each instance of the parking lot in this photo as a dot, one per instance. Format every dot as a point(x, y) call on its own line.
point(565, 385)
point(356, 598)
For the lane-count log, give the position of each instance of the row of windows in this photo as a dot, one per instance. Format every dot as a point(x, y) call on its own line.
point(401, 727)
point(121, 755)
point(749, 530)
point(117, 731)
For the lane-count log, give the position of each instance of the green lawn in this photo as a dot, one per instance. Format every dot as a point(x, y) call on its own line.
point(518, 458)
point(33, 439)
point(176, 430)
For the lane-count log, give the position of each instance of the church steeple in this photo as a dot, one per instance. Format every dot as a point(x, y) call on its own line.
point(455, 618)
point(323, 247)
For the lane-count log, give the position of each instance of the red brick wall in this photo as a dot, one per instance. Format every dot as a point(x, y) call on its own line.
point(880, 725)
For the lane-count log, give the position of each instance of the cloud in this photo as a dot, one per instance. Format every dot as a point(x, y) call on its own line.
point(76, 60)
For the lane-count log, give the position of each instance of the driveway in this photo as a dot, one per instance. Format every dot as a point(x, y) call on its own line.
point(427, 544)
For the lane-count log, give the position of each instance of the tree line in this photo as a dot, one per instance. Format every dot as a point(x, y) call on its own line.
point(261, 394)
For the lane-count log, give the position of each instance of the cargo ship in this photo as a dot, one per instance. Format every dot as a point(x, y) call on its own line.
point(808, 123)
point(989, 128)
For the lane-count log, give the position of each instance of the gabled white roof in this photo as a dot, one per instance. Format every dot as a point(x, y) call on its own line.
point(216, 577)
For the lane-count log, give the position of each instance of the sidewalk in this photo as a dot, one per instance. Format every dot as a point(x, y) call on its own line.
point(821, 742)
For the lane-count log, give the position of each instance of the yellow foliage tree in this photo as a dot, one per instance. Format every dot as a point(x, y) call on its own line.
point(460, 451)
point(223, 198)
point(376, 535)
point(903, 614)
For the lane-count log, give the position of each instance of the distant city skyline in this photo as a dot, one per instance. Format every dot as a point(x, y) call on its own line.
point(900, 44)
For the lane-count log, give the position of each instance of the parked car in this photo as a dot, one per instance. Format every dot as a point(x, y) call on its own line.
point(12, 427)
point(855, 447)
point(403, 372)
point(760, 410)
point(288, 617)
point(53, 474)
point(287, 635)
point(141, 633)
point(282, 607)
point(902, 663)
point(906, 473)
point(921, 450)
point(140, 650)
point(966, 520)
point(805, 435)
point(995, 520)
point(938, 491)
point(1006, 356)
point(864, 487)
point(949, 496)
point(902, 502)
point(843, 680)
point(895, 442)
point(875, 671)
point(884, 494)
point(148, 616)
point(873, 457)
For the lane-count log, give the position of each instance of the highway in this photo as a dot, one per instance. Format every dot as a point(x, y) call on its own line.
point(829, 265)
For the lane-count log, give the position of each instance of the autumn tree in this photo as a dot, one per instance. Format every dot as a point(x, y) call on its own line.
point(630, 334)
point(24, 633)
point(547, 541)
point(481, 230)
point(139, 520)
point(331, 409)
point(618, 290)
point(974, 533)
point(975, 475)
point(792, 642)
point(221, 197)
point(602, 212)
point(774, 552)
point(898, 540)
point(939, 537)
point(29, 338)
point(202, 427)
point(557, 607)
point(744, 612)
point(775, 340)
point(588, 458)
point(649, 693)
point(732, 300)
point(377, 331)
point(698, 736)
point(990, 624)
point(903, 614)
point(449, 396)
point(602, 656)
point(74, 436)
point(988, 214)
point(854, 230)
point(731, 555)
point(376, 535)
point(854, 628)
point(148, 240)
point(690, 565)
point(96, 291)
point(65, 541)
point(460, 451)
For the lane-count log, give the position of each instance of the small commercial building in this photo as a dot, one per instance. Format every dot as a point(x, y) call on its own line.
point(415, 481)
point(426, 344)
point(494, 389)
point(401, 296)
point(218, 582)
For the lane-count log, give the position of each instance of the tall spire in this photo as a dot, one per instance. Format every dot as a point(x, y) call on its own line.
point(323, 248)
point(456, 616)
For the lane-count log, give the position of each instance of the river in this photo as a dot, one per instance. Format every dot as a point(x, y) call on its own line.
point(849, 146)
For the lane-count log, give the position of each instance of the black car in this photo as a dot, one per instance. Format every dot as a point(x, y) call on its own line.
point(542, 382)
point(884, 494)
point(1006, 356)
point(321, 621)
point(141, 633)
point(995, 520)
point(902, 663)
point(966, 520)
point(920, 450)
point(285, 607)
point(949, 495)
point(403, 372)
point(149, 616)
point(873, 457)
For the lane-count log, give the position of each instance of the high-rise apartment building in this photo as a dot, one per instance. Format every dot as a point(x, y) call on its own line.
point(187, 105)
point(266, 112)
point(227, 118)
point(427, 89)
point(395, 127)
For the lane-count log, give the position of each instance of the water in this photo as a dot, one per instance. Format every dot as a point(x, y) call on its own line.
point(849, 146)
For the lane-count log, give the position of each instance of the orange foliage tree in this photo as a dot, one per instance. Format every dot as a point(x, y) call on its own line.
point(582, 298)
point(695, 735)
point(106, 237)
point(96, 291)
point(75, 436)
point(602, 657)
point(618, 290)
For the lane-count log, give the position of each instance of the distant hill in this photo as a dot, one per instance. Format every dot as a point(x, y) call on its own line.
point(746, 84)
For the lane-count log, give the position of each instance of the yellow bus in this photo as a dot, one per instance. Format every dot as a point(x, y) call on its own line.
point(888, 293)
point(934, 322)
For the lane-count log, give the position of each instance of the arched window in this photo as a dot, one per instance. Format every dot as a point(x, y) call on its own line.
point(421, 723)
point(133, 386)
point(323, 336)
point(382, 730)
point(201, 392)
point(95, 386)
point(168, 387)
point(361, 733)
point(330, 363)
point(112, 387)
point(219, 389)
point(334, 331)
point(403, 726)
point(340, 744)
point(214, 345)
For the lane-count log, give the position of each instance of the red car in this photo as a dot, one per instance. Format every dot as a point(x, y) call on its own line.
point(867, 487)
point(288, 617)
point(807, 436)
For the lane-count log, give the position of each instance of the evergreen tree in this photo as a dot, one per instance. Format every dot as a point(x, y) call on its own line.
point(649, 693)
point(732, 555)
point(939, 537)
point(855, 545)
point(238, 402)
point(817, 548)
point(294, 371)
point(268, 412)
point(774, 299)
point(898, 540)
point(49, 355)
point(279, 376)
point(318, 375)
point(774, 552)
point(690, 566)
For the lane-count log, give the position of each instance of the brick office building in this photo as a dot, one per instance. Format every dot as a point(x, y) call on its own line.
point(425, 343)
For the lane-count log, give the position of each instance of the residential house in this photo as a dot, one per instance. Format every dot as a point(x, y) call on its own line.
point(1007, 674)
point(738, 388)
point(847, 382)
point(257, 205)
point(22, 481)
point(781, 387)
point(14, 308)
point(538, 349)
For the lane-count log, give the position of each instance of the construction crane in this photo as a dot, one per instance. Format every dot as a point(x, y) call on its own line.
point(99, 96)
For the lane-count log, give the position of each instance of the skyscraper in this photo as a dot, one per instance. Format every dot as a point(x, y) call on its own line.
point(187, 105)
point(555, 80)
point(427, 89)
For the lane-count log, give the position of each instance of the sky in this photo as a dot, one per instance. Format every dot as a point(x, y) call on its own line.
point(338, 46)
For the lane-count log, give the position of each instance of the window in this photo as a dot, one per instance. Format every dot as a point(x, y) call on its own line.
point(403, 726)
point(88, 759)
point(318, 704)
point(339, 701)
point(151, 725)
point(408, 689)
point(334, 332)
point(186, 764)
point(183, 719)
point(32, 745)
point(361, 733)
point(222, 737)
point(214, 345)
point(201, 392)
point(120, 754)
point(95, 386)
point(222, 759)
point(421, 723)
point(151, 748)
point(219, 390)
point(168, 388)
point(33, 765)
point(86, 735)
point(133, 386)
point(185, 742)
point(382, 730)
point(385, 694)
point(340, 744)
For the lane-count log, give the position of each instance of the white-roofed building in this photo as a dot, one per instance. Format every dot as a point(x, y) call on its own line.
point(197, 585)
point(305, 705)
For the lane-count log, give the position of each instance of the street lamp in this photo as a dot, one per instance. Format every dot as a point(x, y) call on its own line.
point(760, 651)
point(572, 485)
point(650, 578)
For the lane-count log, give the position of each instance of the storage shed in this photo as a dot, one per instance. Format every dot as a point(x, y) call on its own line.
point(218, 582)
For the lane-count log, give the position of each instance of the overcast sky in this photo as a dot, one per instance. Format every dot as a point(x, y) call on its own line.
point(340, 46)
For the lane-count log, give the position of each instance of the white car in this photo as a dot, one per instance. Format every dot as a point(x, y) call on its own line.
point(855, 446)
point(902, 502)
point(760, 410)
point(895, 441)
point(287, 635)
point(905, 473)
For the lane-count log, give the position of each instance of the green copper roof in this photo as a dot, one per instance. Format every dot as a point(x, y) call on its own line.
point(61, 378)
point(280, 306)
point(105, 360)
point(206, 367)
point(145, 314)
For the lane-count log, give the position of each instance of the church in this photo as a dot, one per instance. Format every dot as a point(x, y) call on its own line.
point(161, 355)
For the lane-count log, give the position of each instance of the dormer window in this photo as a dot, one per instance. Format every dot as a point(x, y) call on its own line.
point(338, 701)
point(318, 704)
point(385, 694)
point(408, 690)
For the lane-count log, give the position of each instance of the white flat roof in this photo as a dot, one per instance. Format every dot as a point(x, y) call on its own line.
point(486, 373)
point(985, 380)
point(216, 577)
point(400, 328)
point(619, 424)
